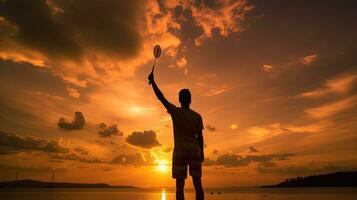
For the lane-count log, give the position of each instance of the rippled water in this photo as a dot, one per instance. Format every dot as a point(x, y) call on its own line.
point(166, 194)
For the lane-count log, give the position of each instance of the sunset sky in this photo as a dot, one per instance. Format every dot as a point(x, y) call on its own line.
point(274, 81)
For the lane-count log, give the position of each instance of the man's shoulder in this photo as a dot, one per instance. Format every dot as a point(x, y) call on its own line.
point(171, 108)
point(196, 114)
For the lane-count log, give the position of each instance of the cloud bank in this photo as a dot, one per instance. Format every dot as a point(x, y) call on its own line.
point(75, 157)
point(108, 38)
point(108, 131)
point(13, 143)
point(236, 160)
point(137, 159)
point(144, 139)
point(77, 123)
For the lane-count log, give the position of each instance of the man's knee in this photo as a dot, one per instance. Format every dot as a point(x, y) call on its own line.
point(197, 182)
point(180, 183)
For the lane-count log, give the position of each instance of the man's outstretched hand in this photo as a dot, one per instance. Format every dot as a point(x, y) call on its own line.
point(151, 78)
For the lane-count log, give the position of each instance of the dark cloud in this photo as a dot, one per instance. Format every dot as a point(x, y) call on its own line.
point(137, 159)
point(75, 157)
point(81, 150)
point(11, 143)
point(210, 128)
point(252, 149)
point(7, 151)
point(108, 131)
point(236, 160)
point(215, 151)
point(145, 139)
point(38, 29)
point(77, 123)
point(112, 29)
point(64, 28)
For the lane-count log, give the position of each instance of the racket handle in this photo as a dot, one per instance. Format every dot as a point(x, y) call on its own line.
point(152, 71)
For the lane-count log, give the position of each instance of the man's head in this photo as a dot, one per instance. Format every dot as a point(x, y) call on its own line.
point(185, 98)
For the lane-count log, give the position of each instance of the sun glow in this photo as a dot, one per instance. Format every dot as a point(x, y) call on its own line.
point(136, 110)
point(233, 126)
point(162, 166)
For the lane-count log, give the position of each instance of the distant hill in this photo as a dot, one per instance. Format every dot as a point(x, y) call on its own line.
point(28, 183)
point(337, 179)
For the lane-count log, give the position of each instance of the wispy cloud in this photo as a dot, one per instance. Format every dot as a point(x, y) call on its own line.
point(339, 85)
point(309, 59)
point(333, 108)
point(311, 127)
point(207, 83)
point(212, 110)
point(181, 63)
point(213, 91)
point(73, 92)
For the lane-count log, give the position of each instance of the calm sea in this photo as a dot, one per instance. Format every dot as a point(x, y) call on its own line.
point(167, 194)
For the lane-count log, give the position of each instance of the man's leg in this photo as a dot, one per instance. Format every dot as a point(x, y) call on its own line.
point(198, 187)
point(180, 185)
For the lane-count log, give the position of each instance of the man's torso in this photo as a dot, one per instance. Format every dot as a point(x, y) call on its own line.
point(186, 124)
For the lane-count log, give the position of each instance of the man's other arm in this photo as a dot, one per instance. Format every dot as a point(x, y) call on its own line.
point(200, 143)
point(158, 93)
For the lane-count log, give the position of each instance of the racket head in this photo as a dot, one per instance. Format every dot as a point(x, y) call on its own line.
point(157, 51)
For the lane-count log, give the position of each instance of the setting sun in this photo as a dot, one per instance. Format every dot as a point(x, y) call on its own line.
point(162, 166)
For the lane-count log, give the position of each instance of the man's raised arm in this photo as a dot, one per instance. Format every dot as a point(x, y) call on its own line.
point(158, 93)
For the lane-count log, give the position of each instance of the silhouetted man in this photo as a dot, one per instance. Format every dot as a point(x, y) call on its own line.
point(188, 141)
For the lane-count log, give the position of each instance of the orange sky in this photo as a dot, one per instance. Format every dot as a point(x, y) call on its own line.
point(275, 83)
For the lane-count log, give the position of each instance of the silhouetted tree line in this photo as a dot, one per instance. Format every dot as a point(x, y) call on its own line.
point(337, 179)
point(28, 183)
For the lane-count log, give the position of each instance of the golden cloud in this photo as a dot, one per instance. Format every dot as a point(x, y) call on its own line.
point(227, 16)
point(267, 68)
point(118, 39)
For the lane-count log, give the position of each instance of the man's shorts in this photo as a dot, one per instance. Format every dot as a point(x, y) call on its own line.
point(183, 158)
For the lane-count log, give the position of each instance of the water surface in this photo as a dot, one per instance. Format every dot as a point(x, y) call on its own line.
point(169, 194)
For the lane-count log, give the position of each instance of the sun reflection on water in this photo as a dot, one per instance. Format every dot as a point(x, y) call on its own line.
point(163, 194)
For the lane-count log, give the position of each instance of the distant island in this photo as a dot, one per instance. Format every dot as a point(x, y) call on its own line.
point(337, 179)
point(28, 183)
